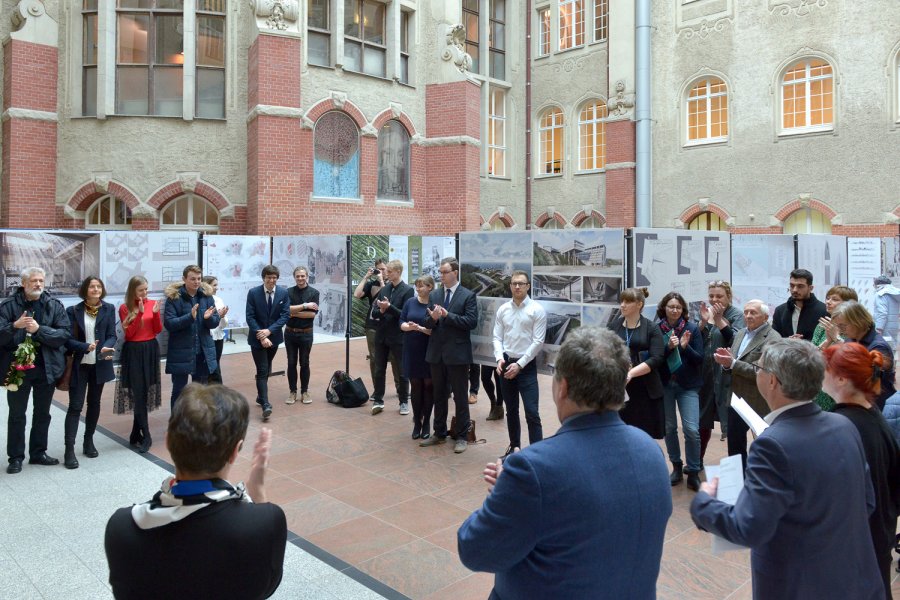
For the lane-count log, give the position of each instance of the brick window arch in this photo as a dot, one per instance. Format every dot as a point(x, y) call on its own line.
point(708, 221)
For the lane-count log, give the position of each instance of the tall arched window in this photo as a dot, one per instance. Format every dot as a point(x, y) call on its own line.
point(336, 159)
point(707, 111)
point(807, 97)
point(707, 221)
point(393, 161)
point(807, 220)
point(551, 140)
point(592, 136)
point(108, 212)
point(189, 212)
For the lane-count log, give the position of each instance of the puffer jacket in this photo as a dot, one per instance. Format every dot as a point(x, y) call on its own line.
point(891, 414)
point(887, 311)
point(185, 332)
point(52, 334)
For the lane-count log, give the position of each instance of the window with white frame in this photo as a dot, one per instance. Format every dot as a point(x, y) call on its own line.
point(571, 24)
point(318, 32)
point(807, 220)
point(497, 133)
point(498, 225)
point(807, 97)
point(108, 212)
point(210, 75)
point(897, 86)
point(707, 221)
point(707, 111)
point(471, 18)
point(189, 212)
point(89, 59)
point(497, 39)
point(405, 24)
point(550, 133)
point(551, 223)
point(544, 34)
point(393, 161)
point(592, 136)
point(601, 20)
point(364, 41)
point(592, 222)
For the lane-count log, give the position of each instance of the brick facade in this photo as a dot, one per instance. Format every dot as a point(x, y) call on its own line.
point(620, 183)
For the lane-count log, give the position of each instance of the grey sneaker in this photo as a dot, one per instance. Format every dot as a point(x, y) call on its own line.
point(377, 408)
point(404, 408)
point(432, 441)
point(305, 399)
point(292, 397)
point(460, 446)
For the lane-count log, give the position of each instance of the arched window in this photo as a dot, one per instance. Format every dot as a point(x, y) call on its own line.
point(551, 140)
point(707, 221)
point(807, 97)
point(336, 160)
point(551, 223)
point(592, 136)
point(707, 111)
point(393, 161)
point(189, 212)
point(108, 212)
point(592, 222)
point(498, 225)
point(807, 220)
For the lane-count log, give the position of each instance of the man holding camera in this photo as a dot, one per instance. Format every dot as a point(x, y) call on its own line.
point(368, 288)
point(388, 337)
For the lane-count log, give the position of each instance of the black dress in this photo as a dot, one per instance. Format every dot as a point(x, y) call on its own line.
point(644, 409)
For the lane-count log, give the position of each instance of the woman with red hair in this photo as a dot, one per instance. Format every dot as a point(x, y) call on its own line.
point(853, 379)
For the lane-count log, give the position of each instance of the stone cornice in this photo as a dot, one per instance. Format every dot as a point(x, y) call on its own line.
point(29, 114)
point(451, 140)
point(269, 110)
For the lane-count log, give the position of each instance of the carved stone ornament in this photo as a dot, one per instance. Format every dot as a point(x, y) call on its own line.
point(455, 50)
point(705, 28)
point(143, 211)
point(339, 98)
point(26, 9)
point(703, 203)
point(396, 109)
point(277, 15)
point(800, 8)
point(101, 182)
point(804, 200)
point(368, 130)
point(570, 64)
point(188, 181)
point(622, 103)
point(31, 23)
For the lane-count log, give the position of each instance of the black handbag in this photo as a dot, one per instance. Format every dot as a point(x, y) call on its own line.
point(346, 391)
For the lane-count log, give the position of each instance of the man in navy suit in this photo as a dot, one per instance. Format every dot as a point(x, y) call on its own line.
point(268, 309)
point(581, 515)
point(452, 315)
point(806, 500)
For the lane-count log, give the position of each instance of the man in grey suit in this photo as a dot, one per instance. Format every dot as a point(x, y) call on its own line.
point(746, 349)
point(452, 315)
point(804, 507)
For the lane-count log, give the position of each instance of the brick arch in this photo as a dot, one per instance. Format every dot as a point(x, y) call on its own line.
point(174, 190)
point(386, 115)
point(794, 205)
point(544, 218)
point(87, 194)
point(323, 106)
point(505, 219)
point(896, 211)
point(581, 216)
point(695, 210)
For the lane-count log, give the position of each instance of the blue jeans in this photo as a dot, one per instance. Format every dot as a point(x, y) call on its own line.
point(200, 374)
point(526, 384)
point(688, 402)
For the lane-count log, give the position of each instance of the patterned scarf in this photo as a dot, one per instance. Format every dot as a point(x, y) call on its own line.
point(678, 329)
point(177, 500)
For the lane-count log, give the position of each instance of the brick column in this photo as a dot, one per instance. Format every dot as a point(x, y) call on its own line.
point(452, 126)
point(620, 154)
point(30, 74)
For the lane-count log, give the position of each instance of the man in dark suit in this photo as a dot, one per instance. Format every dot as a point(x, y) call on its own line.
point(799, 316)
point(452, 315)
point(388, 337)
point(803, 510)
point(268, 309)
point(581, 515)
point(738, 361)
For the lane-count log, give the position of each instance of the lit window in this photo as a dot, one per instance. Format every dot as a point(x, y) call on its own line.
point(189, 212)
point(592, 222)
point(544, 20)
point(364, 46)
point(470, 18)
point(210, 59)
point(89, 59)
point(707, 221)
point(393, 161)
point(571, 24)
point(551, 141)
point(592, 137)
point(497, 39)
point(497, 133)
point(108, 212)
point(551, 223)
point(498, 225)
point(707, 111)
point(807, 96)
point(336, 156)
point(318, 33)
point(601, 20)
point(405, 21)
point(807, 220)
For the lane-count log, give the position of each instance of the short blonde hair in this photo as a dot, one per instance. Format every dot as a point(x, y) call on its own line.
point(395, 265)
point(855, 315)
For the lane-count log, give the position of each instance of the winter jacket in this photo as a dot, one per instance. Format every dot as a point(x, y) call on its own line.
point(813, 310)
point(891, 414)
point(52, 334)
point(185, 332)
point(887, 311)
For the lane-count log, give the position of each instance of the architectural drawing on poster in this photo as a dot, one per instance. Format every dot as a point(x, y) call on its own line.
point(864, 264)
point(237, 262)
point(488, 260)
point(160, 256)
point(67, 258)
point(825, 256)
point(761, 268)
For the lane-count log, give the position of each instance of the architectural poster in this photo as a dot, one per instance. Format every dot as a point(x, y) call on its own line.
point(237, 262)
point(825, 256)
point(863, 266)
point(761, 267)
point(66, 257)
point(159, 256)
point(364, 249)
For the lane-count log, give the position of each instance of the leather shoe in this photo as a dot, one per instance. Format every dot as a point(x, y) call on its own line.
point(43, 459)
point(15, 466)
point(433, 441)
point(69, 460)
point(267, 411)
point(89, 450)
point(145, 445)
point(693, 480)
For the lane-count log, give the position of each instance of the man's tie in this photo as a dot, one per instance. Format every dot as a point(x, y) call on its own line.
point(447, 298)
point(269, 300)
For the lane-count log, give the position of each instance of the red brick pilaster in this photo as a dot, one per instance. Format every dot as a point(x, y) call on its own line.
point(620, 183)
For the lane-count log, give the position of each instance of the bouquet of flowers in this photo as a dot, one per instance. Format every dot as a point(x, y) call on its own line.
point(23, 360)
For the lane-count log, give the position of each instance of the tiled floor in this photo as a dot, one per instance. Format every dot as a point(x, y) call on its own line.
point(360, 494)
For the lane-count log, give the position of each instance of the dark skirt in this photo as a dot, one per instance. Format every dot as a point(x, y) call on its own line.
point(644, 412)
point(138, 383)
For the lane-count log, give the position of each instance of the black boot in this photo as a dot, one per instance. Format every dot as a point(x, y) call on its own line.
point(89, 450)
point(496, 413)
point(693, 480)
point(145, 445)
point(676, 477)
point(69, 459)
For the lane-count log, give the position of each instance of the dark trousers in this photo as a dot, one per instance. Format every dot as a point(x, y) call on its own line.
point(200, 374)
point(263, 358)
point(456, 377)
point(737, 435)
point(422, 400)
point(705, 434)
point(36, 380)
point(383, 353)
point(298, 346)
point(490, 377)
point(526, 385)
point(87, 386)
point(216, 376)
point(474, 375)
point(396, 364)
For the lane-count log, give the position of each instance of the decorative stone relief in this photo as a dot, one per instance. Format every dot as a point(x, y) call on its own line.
point(142, 211)
point(188, 181)
point(277, 16)
point(703, 203)
point(31, 23)
point(707, 27)
point(396, 110)
point(570, 64)
point(101, 182)
point(702, 18)
point(455, 49)
point(307, 123)
point(369, 131)
point(800, 8)
point(622, 103)
point(339, 98)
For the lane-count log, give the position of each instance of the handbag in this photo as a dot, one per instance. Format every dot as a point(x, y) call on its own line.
point(673, 360)
point(471, 438)
point(346, 391)
point(62, 384)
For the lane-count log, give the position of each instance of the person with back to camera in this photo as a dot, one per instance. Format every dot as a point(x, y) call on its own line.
point(218, 334)
point(856, 324)
point(201, 536)
point(138, 387)
point(644, 408)
point(92, 344)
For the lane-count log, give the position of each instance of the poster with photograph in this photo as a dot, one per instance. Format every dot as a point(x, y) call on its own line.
point(761, 268)
point(237, 262)
point(488, 259)
point(863, 266)
point(562, 319)
point(66, 258)
point(159, 256)
point(364, 249)
point(425, 254)
point(825, 256)
point(325, 257)
point(599, 316)
point(483, 334)
point(890, 258)
point(678, 260)
point(579, 252)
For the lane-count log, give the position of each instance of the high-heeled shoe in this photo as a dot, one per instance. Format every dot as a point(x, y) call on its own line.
point(145, 445)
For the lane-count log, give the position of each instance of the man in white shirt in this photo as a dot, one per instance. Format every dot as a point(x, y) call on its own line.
point(519, 329)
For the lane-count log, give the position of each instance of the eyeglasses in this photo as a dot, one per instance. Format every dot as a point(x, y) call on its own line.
point(442, 272)
point(758, 367)
point(518, 284)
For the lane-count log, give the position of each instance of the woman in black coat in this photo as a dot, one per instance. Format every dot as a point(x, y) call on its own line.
point(92, 345)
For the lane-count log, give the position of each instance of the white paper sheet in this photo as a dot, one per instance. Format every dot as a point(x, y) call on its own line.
point(731, 481)
point(756, 423)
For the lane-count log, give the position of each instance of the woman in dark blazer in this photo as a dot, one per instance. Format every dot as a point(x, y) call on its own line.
point(92, 344)
point(644, 408)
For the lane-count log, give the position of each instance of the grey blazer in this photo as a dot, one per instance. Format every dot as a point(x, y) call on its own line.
point(743, 377)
